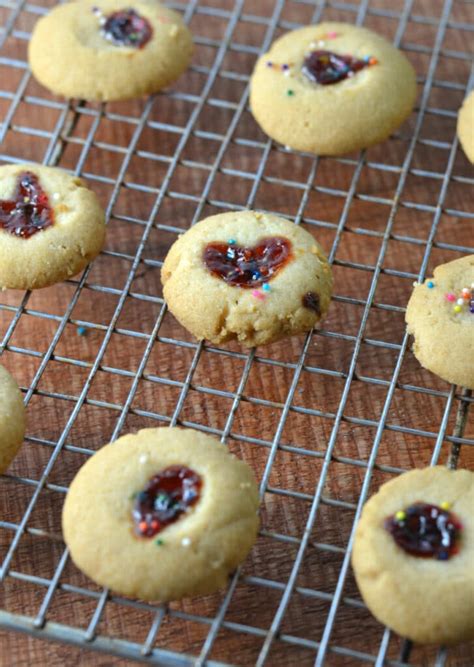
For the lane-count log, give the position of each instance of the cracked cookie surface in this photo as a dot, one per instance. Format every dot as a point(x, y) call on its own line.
point(51, 226)
point(162, 514)
point(247, 276)
point(12, 419)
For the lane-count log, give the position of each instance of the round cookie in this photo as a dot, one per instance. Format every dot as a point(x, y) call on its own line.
point(161, 515)
point(252, 277)
point(440, 315)
point(51, 226)
point(12, 419)
point(465, 126)
point(429, 599)
point(331, 88)
point(109, 49)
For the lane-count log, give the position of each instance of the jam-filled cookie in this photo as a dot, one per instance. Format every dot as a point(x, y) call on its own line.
point(109, 49)
point(12, 419)
point(440, 315)
point(51, 226)
point(466, 126)
point(160, 515)
point(331, 88)
point(252, 277)
point(414, 553)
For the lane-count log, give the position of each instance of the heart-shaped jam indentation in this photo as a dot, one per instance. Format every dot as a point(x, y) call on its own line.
point(248, 267)
point(127, 28)
point(167, 496)
point(426, 531)
point(29, 210)
point(326, 67)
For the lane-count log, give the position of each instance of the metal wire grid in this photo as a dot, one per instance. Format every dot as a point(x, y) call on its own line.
point(62, 135)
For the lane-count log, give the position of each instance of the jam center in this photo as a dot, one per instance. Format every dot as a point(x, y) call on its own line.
point(426, 531)
point(29, 210)
point(166, 497)
point(326, 67)
point(247, 267)
point(127, 28)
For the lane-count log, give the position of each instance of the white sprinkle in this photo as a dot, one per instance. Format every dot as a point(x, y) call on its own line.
point(286, 72)
point(186, 541)
point(143, 458)
point(321, 43)
point(460, 302)
point(56, 196)
point(416, 283)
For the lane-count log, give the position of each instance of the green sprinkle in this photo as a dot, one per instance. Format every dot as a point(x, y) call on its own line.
point(159, 542)
point(290, 92)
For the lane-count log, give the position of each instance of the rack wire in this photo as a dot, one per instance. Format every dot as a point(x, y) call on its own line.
point(323, 421)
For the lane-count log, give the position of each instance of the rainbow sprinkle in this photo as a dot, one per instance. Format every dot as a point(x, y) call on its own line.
point(258, 295)
point(464, 302)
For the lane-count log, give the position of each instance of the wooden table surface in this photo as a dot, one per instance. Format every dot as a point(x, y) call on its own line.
point(419, 401)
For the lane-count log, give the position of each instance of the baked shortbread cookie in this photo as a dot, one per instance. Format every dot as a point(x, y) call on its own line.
point(466, 126)
point(12, 419)
point(109, 49)
point(414, 553)
point(160, 515)
point(331, 88)
point(440, 315)
point(51, 226)
point(252, 277)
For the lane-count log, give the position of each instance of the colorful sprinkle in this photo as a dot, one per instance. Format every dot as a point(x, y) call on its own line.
point(81, 331)
point(430, 284)
point(266, 287)
point(457, 309)
point(445, 505)
point(332, 34)
point(400, 515)
point(290, 93)
point(258, 295)
point(373, 61)
point(159, 542)
point(450, 296)
point(269, 63)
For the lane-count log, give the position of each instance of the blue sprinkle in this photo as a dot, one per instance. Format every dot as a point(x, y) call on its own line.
point(81, 331)
point(231, 241)
point(266, 287)
point(430, 284)
point(256, 275)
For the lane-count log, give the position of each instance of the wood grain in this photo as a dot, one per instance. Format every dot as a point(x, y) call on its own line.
point(305, 435)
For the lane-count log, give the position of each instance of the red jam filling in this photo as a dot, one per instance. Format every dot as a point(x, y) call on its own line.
point(326, 67)
point(127, 28)
point(247, 267)
point(426, 531)
point(311, 301)
point(166, 497)
point(29, 210)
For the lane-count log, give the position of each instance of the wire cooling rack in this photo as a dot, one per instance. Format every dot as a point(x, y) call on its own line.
point(323, 420)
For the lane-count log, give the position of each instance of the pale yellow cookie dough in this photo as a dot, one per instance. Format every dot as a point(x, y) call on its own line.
point(61, 250)
point(424, 599)
point(70, 57)
point(12, 419)
point(337, 118)
point(443, 337)
point(192, 556)
point(212, 309)
point(466, 126)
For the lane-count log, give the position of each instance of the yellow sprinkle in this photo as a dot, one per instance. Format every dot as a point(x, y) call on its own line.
point(445, 505)
point(457, 309)
point(400, 515)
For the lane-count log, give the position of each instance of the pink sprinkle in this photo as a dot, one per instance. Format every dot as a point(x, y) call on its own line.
point(450, 296)
point(332, 35)
point(258, 295)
